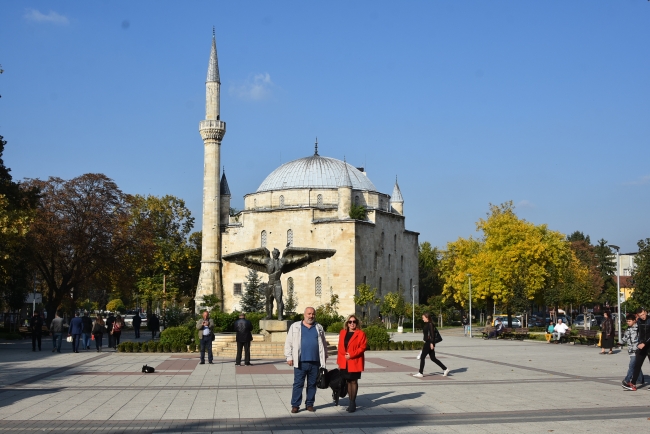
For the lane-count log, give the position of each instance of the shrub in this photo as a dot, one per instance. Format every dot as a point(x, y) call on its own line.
point(326, 320)
point(10, 335)
point(384, 346)
point(144, 347)
point(136, 347)
point(174, 316)
point(121, 348)
point(153, 346)
point(176, 335)
point(254, 318)
point(335, 327)
point(392, 346)
point(377, 335)
point(179, 348)
point(128, 347)
point(168, 347)
point(224, 321)
point(193, 347)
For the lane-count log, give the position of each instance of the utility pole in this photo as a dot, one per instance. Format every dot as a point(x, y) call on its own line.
point(413, 305)
point(618, 291)
point(469, 275)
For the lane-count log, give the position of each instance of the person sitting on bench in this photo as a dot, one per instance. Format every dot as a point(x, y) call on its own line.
point(560, 330)
point(498, 329)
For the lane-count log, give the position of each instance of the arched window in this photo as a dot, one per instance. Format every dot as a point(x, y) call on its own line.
point(381, 203)
point(254, 203)
point(281, 200)
point(395, 242)
point(411, 285)
point(290, 237)
point(398, 288)
point(319, 200)
point(402, 263)
point(319, 287)
point(263, 238)
point(290, 285)
point(381, 243)
point(376, 260)
point(380, 286)
point(356, 200)
point(389, 262)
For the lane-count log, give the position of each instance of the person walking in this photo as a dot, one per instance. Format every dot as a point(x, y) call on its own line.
point(87, 330)
point(306, 350)
point(464, 321)
point(56, 328)
point(137, 320)
point(154, 325)
point(350, 357)
point(99, 330)
point(643, 347)
point(429, 331)
point(36, 327)
point(243, 327)
point(76, 327)
point(118, 325)
point(607, 334)
point(631, 339)
point(205, 326)
point(109, 328)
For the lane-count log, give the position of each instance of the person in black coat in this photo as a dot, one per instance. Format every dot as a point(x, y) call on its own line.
point(36, 327)
point(109, 328)
point(137, 320)
point(243, 327)
point(154, 325)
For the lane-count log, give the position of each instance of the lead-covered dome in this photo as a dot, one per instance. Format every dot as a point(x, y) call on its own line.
point(315, 172)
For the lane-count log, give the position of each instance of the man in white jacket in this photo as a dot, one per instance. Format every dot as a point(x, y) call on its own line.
point(305, 350)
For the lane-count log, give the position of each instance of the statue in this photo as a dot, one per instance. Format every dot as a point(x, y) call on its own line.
point(292, 258)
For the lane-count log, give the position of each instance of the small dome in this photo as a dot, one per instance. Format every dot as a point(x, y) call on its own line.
point(315, 172)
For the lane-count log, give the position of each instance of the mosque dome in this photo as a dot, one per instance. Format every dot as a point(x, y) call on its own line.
point(316, 172)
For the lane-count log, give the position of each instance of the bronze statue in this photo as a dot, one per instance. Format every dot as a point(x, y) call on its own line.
point(292, 258)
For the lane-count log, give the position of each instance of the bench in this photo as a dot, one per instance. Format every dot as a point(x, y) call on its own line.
point(521, 333)
point(588, 336)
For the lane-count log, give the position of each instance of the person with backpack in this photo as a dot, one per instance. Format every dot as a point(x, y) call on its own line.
point(430, 336)
point(99, 330)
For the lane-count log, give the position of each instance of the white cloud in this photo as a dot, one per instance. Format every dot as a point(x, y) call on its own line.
point(525, 204)
point(40, 17)
point(257, 87)
point(639, 181)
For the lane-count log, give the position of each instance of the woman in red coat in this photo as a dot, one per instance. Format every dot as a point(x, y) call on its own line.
point(352, 345)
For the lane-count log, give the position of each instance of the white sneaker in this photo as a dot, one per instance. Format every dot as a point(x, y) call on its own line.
point(418, 375)
point(418, 356)
point(445, 372)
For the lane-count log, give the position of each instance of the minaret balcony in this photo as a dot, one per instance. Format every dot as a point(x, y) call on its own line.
point(212, 129)
point(210, 124)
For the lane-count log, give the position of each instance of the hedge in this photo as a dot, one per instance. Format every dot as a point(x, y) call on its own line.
point(176, 335)
point(152, 347)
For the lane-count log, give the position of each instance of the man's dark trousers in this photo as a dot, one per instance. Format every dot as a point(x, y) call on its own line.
point(76, 340)
point(308, 370)
point(246, 346)
point(57, 338)
point(641, 354)
point(36, 337)
point(136, 329)
point(206, 343)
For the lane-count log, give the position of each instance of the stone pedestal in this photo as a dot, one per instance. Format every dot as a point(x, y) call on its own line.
point(274, 330)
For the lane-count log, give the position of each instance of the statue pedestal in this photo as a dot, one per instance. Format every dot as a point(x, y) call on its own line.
point(274, 330)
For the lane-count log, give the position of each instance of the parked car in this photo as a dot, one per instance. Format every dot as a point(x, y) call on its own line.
point(580, 322)
point(535, 321)
point(516, 322)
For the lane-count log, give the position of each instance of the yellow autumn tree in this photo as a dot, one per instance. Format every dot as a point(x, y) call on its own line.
point(514, 261)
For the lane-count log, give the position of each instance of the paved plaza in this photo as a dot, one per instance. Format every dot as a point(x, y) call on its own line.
point(494, 386)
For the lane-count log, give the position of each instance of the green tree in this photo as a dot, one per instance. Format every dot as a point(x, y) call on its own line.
point(392, 306)
point(253, 299)
point(358, 212)
point(641, 274)
point(431, 282)
point(211, 302)
point(115, 305)
point(606, 266)
point(366, 297)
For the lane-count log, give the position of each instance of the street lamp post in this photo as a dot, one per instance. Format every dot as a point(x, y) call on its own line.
point(413, 305)
point(470, 304)
point(618, 290)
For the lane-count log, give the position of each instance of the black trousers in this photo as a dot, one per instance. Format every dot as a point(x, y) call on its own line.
point(36, 337)
point(206, 344)
point(427, 351)
point(247, 353)
point(638, 362)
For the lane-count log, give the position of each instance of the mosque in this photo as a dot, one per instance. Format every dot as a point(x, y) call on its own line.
point(303, 203)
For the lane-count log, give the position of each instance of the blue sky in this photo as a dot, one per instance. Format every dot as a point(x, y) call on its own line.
point(545, 103)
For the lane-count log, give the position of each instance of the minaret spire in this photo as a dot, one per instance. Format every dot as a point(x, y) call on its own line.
point(316, 147)
point(215, 210)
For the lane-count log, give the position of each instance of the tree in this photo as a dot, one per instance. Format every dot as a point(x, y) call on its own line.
point(253, 299)
point(393, 305)
point(430, 278)
point(115, 305)
point(358, 212)
point(578, 236)
point(211, 302)
point(80, 229)
point(641, 274)
point(291, 301)
point(607, 268)
point(366, 297)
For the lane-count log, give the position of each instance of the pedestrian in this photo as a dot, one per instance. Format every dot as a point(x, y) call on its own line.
point(118, 325)
point(99, 330)
point(76, 327)
point(350, 357)
point(154, 325)
point(487, 330)
point(306, 350)
point(465, 324)
point(642, 349)
point(244, 329)
point(607, 334)
point(109, 329)
point(36, 327)
point(56, 328)
point(86, 331)
point(429, 331)
point(631, 339)
point(205, 326)
point(137, 320)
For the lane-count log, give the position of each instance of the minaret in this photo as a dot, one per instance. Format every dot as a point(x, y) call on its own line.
point(396, 200)
point(345, 194)
point(212, 130)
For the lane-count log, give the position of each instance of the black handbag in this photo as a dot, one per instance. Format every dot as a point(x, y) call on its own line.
point(322, 381)
point(436, 335)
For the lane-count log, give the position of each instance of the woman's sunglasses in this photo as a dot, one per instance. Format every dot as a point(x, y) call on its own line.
point(352, 322)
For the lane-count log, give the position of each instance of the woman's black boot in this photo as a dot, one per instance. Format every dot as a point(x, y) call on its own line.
point(352, 408)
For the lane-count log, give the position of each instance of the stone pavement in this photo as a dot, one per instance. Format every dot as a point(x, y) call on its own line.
point(494, 386)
